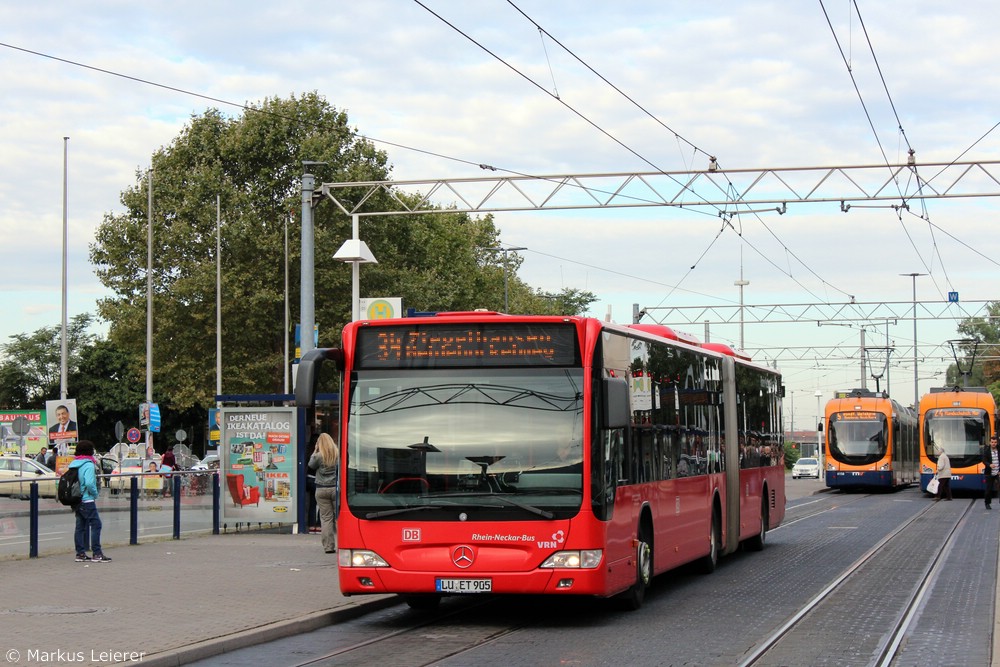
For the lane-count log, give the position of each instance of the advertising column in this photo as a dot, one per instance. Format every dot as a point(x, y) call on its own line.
point(258, 463)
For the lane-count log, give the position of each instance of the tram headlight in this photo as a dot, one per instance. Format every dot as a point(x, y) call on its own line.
point(360, 558)
point(585, 559)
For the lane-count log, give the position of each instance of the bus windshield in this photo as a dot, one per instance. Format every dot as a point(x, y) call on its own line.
point(857, 438)
point(490, 441)
point(961, 433)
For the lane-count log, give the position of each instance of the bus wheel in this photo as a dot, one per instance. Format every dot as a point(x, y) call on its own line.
point(709, 561)
point(427, 602)
point(633, 598)
point(756, 543)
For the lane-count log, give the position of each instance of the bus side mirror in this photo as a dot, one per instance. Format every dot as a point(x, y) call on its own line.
point(616, 406)
point(305, 383)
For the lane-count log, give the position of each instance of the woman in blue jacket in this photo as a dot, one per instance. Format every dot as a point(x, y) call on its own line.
point(88, 521)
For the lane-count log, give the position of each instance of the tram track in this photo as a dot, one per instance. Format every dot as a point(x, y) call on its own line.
point(427, 639)
point(879, 644)
point(449, 634)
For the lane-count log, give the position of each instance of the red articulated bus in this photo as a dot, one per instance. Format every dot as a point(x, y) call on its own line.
point(506, 454)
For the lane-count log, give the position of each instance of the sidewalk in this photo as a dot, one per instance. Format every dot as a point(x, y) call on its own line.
point(171, 602)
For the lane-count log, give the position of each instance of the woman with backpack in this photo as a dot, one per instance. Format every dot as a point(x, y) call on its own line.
point(88, 521)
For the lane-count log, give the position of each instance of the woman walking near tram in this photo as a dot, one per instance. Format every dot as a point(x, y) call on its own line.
point(943, 475)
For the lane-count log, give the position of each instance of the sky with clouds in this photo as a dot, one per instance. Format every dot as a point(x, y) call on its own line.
point(546, 87)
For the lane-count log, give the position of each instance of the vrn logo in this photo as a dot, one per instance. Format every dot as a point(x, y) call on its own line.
point(558, 538)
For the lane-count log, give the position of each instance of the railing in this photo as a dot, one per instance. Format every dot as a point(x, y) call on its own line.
point(132, 507)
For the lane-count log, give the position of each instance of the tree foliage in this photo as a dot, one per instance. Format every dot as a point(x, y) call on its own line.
point(31, 370)
point(253, 164)
point(983, 336)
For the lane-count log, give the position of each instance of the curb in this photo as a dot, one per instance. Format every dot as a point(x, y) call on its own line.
point(268, 633)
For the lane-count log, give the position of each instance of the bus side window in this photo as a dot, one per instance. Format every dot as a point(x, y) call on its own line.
point(606, 471)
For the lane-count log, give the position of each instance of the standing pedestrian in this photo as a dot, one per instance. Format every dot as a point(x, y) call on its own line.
point(43, 455)
point(943, 474)
point(168, 458)
point(312, 510)
point(88, 521)
point(167, 464)
point(991, 463)
point(324, 462)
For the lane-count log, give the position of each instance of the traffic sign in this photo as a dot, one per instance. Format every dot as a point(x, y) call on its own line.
point(133, 435)
point(20, 426)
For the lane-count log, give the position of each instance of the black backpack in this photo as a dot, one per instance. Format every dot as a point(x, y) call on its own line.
point(69, 490)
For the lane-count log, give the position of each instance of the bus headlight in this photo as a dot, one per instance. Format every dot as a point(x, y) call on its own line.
point(360, 558)
point(585, 559)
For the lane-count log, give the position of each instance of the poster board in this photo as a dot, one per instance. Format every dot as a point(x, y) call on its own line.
point(257, 454)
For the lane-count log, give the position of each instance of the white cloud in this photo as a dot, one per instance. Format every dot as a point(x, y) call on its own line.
point(757, 84)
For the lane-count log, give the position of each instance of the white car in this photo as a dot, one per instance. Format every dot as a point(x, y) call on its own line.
point(210, 462)
point(805, 467)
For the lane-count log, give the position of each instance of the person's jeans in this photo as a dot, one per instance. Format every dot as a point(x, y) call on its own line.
point(326, 498)
point(88, 529)
point(991, 487)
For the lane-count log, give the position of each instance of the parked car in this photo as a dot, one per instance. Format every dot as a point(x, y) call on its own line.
point(125, 468)
point(27, 470)
point(806, 467)
point(210, 462)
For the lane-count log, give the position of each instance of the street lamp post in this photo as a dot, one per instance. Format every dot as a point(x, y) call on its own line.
point(355, 252)
point(505, 251)
point(65, 238)
point(791, 429)
point(916, 387)
point(741, 284)
point(307, 263)
point(819, 433)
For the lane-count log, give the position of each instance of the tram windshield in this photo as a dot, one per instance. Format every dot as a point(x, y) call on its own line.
point(962, 433)
point(493, 443)
point(858, 438)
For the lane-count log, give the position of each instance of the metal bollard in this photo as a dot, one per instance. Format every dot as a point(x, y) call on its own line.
point(33, 525)
point(176, 479)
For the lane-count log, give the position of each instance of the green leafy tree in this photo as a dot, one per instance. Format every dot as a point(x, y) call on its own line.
point(985, 369)
point(107, 391)
point(253, 163)
point(30, 372)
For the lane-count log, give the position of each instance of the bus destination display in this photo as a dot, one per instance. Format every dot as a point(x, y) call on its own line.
point(858, 415)
point(469, 345)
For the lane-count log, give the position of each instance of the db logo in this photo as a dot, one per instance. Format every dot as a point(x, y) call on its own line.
point(411, 534)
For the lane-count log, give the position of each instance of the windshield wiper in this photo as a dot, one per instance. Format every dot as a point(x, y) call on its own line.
point(411, 508)
point(531, 508)
point(505, 498)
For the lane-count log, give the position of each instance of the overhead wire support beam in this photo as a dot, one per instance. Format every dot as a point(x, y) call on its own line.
point(809, 313)
point(842, 185)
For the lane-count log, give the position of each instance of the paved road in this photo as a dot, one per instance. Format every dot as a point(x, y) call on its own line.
point(170, 602)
